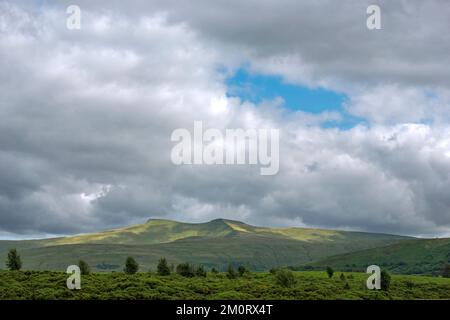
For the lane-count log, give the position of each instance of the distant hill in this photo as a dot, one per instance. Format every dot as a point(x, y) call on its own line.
point(217, 243)
point(416, 256)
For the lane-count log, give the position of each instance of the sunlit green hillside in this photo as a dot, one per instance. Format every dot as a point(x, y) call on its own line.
point(217, 243)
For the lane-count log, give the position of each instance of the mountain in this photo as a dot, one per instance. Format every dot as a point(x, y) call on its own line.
point(217, 243)
point(416, 256)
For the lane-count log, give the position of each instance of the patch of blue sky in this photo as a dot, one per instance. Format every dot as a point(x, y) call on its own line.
point(258, 87)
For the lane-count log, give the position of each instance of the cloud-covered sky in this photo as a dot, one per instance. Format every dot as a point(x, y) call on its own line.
point(86, 115)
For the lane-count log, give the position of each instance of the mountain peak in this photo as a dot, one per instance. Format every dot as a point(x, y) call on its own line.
point(217, 220)
point(218, 226)
point(226, 221)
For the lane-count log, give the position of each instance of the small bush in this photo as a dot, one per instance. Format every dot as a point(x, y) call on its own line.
point(200, 272)
point(231, 274)
point(242, 270)
point(214, 271)
point(330, 272)
point(409, 284)
point(185, 270)
point(285, 278)
point(385, 280)
point(347, 286)
point(446, 271)
point(342, 277)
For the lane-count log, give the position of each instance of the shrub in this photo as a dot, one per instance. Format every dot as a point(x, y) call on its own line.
point(409, 284)
point(273, 270)
point(231, 274)
point(242, 270)
point(214, 271)
point(285, 278)
point(342, 277)
point(347, 286)
point(185, 270)
point(14, 262)
point(330, 272)
point(200, 272)
point(385, 280)
point(163, 269)
point(84, 267)
point(131, 266)
point(446, 271)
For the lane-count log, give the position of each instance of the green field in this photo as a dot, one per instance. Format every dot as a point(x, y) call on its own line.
point(256, 285)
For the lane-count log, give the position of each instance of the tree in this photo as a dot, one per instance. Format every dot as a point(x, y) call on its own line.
point(131, 266)
point(342, 277)
point(231, 274)
point(446, 271)
point(347, 286)
point(242, 270)
point(163, 268)
point(385, 280)
point(14, 262)
point(200, 272)
point(185, 270)
point(330, 272)
point(285, 278)
point(84, 267)
point(214, 271)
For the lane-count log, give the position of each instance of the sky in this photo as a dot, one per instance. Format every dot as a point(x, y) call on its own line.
point(86, 115)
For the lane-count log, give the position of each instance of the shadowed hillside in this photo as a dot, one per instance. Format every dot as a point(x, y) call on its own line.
point(417, 256)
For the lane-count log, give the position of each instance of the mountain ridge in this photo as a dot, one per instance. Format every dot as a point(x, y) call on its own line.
point(216, 243)
point(154, 229)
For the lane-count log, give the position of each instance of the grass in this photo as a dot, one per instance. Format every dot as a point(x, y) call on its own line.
point(258, 285)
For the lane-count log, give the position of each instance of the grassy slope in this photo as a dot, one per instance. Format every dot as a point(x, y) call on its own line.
point(310, 285)
point(416, 256)
point(215, 243)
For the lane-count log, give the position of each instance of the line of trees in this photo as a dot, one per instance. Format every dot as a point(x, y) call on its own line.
point(188, 270)
point(14, 263)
